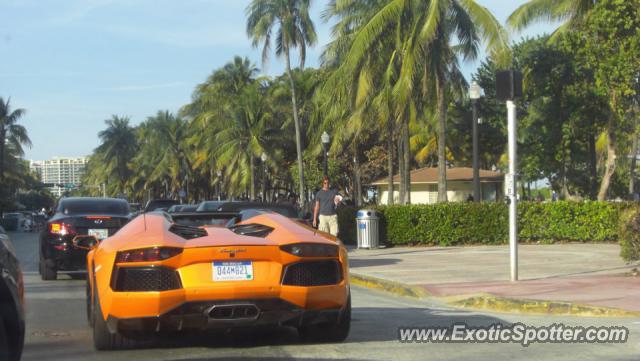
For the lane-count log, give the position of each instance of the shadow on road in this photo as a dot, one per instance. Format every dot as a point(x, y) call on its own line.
point(369, 324)
point(355, 263)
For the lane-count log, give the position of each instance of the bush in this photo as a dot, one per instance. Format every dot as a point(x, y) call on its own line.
point(450, 224)
point(630, 234)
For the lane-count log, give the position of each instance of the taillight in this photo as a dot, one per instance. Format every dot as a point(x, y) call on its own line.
point(311, 250)
point(61, 229)
point(147, 254)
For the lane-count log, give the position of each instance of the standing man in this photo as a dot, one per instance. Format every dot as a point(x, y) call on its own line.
point(325, 208)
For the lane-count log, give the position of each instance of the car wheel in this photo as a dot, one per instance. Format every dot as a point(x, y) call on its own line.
point(337, 332)
point(48, 270)
point(103, 339)
point(90, 311)
point(4, 341)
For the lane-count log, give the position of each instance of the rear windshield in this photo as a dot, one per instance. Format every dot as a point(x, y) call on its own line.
point(93, 206)
point(209, 206)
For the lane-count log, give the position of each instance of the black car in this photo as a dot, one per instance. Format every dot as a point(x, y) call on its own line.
point(11, 302)
point(98, 217)
point(209, 206)
point(284, 209)
point(182, 208)
point(160, 204)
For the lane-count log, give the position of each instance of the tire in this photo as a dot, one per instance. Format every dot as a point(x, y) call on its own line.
point(4, 342)
point(103, 339)
point(48, 270)
point(337, 332)
point(90, 310)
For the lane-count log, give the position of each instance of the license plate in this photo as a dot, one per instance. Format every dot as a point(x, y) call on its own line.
point(232, 271)
point(100, 234)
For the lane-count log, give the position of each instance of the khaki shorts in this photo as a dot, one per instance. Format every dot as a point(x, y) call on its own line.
point(328, 224)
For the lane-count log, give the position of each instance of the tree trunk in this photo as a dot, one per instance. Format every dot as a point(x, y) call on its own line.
point(401, 172)
point(634, 156)
point(593, 168)
point(296, 122)
point(610, 166)
point(442, 124)
point(3, 135)
point(407, 162)
point(390, 199)
point(253, 177)
point(356, 176)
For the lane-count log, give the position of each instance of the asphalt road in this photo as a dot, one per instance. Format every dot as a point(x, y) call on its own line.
point(57, 330)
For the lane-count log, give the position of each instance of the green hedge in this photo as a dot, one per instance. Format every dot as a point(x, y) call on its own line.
point(630, 234)
point(449, 224)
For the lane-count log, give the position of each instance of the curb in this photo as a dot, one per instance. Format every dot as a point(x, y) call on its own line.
point(486, 301)
point(396, 288)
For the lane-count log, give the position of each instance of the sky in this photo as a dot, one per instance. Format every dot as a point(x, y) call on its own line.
point(73, 63)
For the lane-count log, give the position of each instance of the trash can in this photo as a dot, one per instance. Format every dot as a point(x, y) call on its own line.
point(367, 222)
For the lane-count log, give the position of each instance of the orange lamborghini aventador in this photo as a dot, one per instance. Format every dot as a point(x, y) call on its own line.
point(163, 273)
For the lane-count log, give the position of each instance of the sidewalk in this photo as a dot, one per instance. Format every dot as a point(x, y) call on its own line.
point(589, 274)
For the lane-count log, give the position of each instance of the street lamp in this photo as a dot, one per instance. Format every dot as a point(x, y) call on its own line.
point(325, 144)
point(263, 157)
point(475, 92)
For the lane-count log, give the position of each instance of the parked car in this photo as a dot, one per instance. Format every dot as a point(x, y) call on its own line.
point(209, 206)
point(98, 217)
point(182, 208)
point(13, 221)
point(11, 302)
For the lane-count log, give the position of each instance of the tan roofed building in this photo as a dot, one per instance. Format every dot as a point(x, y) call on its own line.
point(424, 185)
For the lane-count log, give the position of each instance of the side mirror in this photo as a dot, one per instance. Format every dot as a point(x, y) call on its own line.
point(85, 242)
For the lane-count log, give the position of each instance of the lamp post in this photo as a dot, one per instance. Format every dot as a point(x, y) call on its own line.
point(263, 157)
point(325, 144)
point(219, 174)
point(475, 92)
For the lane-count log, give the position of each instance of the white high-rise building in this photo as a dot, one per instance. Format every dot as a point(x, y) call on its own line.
point(62, 171)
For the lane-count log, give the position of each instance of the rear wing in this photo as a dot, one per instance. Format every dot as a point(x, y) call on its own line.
point(199, 219)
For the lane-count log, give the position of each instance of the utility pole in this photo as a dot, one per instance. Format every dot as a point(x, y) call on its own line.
point(513, 189)
point(508, 88)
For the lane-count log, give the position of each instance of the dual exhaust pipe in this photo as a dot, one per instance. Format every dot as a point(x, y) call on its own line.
point(240, 312)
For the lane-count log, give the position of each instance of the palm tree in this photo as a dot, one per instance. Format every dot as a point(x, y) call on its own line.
point(294, 30)
point(428, 39)
point(119, 146)
point(11, 132)
point(164, 155)
point(215, 103)
point(571, 12)
point(244, 136)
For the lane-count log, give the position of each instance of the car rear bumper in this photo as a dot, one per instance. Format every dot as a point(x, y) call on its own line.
point(65, 256)
point(224, 314)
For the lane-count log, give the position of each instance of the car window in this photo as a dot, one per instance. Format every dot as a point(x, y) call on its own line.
point(93, 206)
point(208, 206)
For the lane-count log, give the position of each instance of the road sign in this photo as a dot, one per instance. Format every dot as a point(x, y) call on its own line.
point(508, 184)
